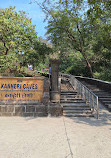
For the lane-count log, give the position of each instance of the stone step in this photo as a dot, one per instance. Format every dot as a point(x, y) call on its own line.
point(93, 88)
point(70, 96)
point(78, 115)
point(99, 90)
point(76, 108)
point(73, 101)
point(108, 96)
point(106, 102)
point(105, 99)
point(101, 93)
point(74, 93)
point(89, 85)
point(74, 105)
point(68, 92)
point(70, 99)
point(77, 111)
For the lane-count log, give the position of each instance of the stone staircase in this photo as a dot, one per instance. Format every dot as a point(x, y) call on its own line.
point(104, 96)
point(72, 103)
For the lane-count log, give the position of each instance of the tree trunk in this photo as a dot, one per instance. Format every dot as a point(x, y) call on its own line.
point(88, 64)
point(71, 37)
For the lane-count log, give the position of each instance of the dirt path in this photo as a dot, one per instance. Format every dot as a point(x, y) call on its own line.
point(55, 137)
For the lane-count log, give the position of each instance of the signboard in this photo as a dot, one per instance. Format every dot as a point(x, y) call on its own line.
point(21, 90)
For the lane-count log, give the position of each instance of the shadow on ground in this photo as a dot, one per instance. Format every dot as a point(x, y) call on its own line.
point(104, 119)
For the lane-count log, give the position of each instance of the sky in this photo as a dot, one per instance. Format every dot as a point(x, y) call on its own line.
point(33, 11)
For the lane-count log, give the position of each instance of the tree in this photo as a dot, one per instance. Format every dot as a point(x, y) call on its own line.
point(77, 23)
point(65, 23)
point(17, 36)
point(38, 54)
point(69, 28)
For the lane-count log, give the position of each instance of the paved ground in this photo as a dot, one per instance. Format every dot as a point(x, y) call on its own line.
point(55, 137)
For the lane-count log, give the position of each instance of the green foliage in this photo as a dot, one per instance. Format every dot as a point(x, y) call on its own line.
point(73, 64)
point(17, 35)
point(38, 54)
point(19, 45)
point(82, 26)
point(16, 29)
point(104, 74)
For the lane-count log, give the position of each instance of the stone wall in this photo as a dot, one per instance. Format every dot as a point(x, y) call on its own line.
point(55, 109)
point(46, 96)
point(28, 109)
point(23, 110)
point(33, 109)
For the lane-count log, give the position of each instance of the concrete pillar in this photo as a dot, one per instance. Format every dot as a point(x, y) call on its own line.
point(54, 94)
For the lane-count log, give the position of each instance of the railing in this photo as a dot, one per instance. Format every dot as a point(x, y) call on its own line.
point(59, 83)
point(90, 98)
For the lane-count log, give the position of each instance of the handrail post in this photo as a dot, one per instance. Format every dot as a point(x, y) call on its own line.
point(89, 97)
point(59, 83)
point(93, 101)
point(81, 89)
point(85, 93)
point(97, 108)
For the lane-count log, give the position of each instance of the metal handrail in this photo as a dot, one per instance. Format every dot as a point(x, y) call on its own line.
point(90, 98)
